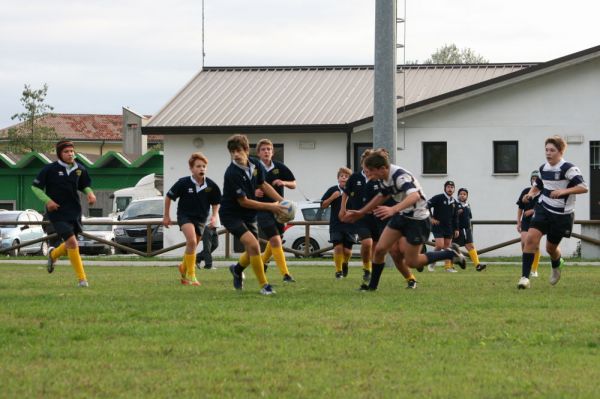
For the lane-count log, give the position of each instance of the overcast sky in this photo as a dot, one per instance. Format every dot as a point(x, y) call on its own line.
point(97, 56)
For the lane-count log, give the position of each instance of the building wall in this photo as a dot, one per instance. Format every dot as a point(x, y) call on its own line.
point(563, 103)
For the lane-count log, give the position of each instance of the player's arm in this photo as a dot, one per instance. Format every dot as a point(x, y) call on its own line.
point(167, 218)
point(274, 207)
point(270, 192)
point(352, 216)
point(42, 196)
point(291, 184)
point(326, 202)
point(384, 212)
point(214, 216)
point(580, 189)
point(342, 213)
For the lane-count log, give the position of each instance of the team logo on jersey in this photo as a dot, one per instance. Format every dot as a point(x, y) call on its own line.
point(255, 172)
point(61, 173)
point(557, 176)
point(275, 171)
point(78, 172)
point(190, 190)
point(208, 189)
point(359, 183)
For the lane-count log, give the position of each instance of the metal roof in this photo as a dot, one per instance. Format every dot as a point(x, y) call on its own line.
point(219, 97)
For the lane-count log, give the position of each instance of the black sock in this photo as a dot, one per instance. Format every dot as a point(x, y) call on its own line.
point(376, 270)
point(238, 269)
point(434, 256)
point(527, 262)
point(555, 263)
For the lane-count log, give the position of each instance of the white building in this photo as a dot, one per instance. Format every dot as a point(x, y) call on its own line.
point(482, 126)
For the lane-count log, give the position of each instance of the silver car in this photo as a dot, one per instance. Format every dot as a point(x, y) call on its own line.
point(105, 231)
point(15, 229)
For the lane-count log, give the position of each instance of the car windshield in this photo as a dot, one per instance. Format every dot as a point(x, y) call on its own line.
point(144, 209)
point(97, 227)
point(8, 221)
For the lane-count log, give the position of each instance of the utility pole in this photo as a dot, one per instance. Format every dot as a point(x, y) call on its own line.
point(384, 107)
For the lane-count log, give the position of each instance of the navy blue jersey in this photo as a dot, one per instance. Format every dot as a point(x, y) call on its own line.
point(464, 215)
point(194, 201)
point(334, 220)
point(373, 188)
point(61, 185)
point(526, 206)
point(356, 190)
point(444, 209)
point(238, 183)
point(277, 171)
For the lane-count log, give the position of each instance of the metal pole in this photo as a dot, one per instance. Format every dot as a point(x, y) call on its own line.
point(384, 111)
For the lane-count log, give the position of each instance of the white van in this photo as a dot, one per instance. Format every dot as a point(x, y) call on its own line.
point(145, 188)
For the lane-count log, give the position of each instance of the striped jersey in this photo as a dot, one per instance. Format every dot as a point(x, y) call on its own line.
point(399, 184)
point(561, 176)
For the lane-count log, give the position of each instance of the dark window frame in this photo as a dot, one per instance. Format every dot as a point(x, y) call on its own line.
point(503, 150)
point(431, 166)
point(358, 149)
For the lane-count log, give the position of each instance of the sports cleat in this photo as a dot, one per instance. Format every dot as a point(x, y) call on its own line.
point(267, 290)
point(50, 264)
point(555, 275)
point(181, 268)
point(481, 267)
point(210, 267)
point(338, 275)
point(366, 275)
point(533, 274)
point(451, 270)
point(431, 267)
point(411, 284)
point(190, 281)
point(83, 284)
point(344, 270)
point(238, 279)
point(523, 283)
point(365, 287)
point(459, 258)
point(288, 279)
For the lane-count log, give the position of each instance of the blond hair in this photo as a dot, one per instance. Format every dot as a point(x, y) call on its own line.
point(197, 156)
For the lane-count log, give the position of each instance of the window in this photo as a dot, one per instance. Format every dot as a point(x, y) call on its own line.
point(95, 212)
point(506, 157)
point(435, 157)
point(359, 148)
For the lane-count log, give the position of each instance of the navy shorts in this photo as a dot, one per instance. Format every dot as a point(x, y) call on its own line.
point(465, 236)
point(346, 238)
point(268, 226)
point(416, 231)
point(555, 226)
point(198, 225)
point(66, 229)
point(361, 229)
point(440, 231)
point(239, 227)
point(525, 223)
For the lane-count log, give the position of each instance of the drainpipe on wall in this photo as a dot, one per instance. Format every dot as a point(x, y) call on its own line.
point(349, 148)
point(102, 147)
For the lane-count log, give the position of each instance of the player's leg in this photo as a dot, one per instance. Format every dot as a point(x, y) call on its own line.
point(397, 254)
point(189, 255)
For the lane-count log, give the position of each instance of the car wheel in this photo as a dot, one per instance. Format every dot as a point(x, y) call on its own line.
point(44, 249)
point(14, 252)
point(299, 246)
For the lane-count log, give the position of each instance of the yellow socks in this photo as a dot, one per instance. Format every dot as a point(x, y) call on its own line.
point(367, 266)
point(266, 256)
point(59, 251)
point(410, 277)
point(259, 269)
point(447, 264)
point(76, 262)
point(338, 259)
point(189, 262)
point(347, 258)
point(536, 261)
point(244, 260)
point(473, 256)
point(279, 257)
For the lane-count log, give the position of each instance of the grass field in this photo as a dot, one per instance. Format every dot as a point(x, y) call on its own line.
point(136, 332)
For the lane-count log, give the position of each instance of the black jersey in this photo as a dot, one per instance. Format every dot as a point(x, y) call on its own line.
point(277, 171)
point(241, 182)
point(194, 200)
point(526, 206)
point(356, 190)
point(444, 209)
point(61, 184)
point(464, 215)
point(335, 224)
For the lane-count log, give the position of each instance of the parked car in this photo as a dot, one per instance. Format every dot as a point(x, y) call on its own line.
point(319, 234)
point(15, 229)
point(105, 231)
point(144, 210)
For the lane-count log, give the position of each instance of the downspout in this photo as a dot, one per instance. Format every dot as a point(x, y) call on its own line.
point(349, 147)
point(102, 147)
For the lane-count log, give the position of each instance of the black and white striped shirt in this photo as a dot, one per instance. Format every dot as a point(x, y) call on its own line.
point(399, 185)
point(561, 176)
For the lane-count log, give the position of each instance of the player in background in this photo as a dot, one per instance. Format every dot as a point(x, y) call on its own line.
point(57, 186)
point(195, 195)
point(559, 182)
point(444, 221)
point(279, 177)
point(239, 206)
point(524, 215)
point(465, 232)
point(340, 234)
point(409, 219)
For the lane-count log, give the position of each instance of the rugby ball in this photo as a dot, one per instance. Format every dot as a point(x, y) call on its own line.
point(290, 213)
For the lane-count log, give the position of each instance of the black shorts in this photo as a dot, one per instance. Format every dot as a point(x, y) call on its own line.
point(465, 236)
point(268, 226)
point(525, 223)
point(198, 225)
point(555, 226)
point(440, 231)
point(346, 238)
point(416, 231)
point(361, 229)
point(66, 229)
point(239, 227)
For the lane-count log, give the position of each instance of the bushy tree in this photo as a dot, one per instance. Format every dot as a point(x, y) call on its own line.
point(451, 54)
point(29, 135)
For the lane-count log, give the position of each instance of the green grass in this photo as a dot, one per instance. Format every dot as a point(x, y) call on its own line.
point(136, 332)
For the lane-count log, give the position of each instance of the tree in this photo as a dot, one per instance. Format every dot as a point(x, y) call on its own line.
point(451, 54)
point(29, 135)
